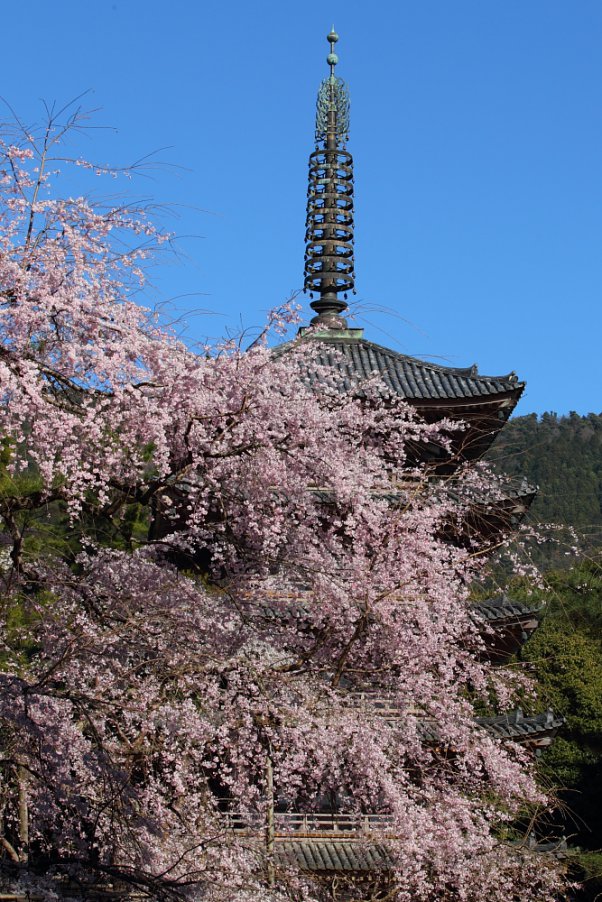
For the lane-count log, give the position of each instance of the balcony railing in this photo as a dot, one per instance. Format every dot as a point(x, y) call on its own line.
point(297, 822)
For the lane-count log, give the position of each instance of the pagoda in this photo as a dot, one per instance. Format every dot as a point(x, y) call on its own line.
point(478, 404)
point(323, 845)
point(337, 846)
point(481, 403)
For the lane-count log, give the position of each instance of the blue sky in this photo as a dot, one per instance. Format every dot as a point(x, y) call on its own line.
point(476, 128)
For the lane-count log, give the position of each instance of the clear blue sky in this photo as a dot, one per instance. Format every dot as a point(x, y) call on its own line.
point(476, 128)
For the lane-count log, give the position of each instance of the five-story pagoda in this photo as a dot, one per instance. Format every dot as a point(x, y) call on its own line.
point(479, 405)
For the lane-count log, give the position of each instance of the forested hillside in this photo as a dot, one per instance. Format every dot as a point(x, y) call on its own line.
point(563, 456)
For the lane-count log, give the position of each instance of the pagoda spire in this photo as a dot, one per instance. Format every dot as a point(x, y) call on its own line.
point(329, 268)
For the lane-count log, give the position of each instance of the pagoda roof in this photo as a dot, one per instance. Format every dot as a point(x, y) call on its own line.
point(325, 855)
point(538, 728)
point(494, 610)
point(515, 726)
point(488, 513)
point(509, 489)
point(322, 854)
point(535, 730)
point(355, 358)
point(506, 624)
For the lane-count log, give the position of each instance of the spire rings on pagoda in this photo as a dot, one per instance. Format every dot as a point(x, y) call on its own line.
point(328, 275)
point(316, 249)
point(332, 167)
point(322, 263)
point(329, 263)
point(321, 218)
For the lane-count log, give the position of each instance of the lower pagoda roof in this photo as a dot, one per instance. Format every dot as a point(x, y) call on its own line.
point(509, 490)
point(506, 624)
point(537, 730)
point(534, 731)
point(502, 608)
point(489, 514)
point(324, 856)
point(329, 855)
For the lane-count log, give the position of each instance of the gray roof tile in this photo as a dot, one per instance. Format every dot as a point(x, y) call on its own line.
point(509, 489)
point(517, 727)
point(322, 854)
point(513, 726)
point(413, 379)
point(493, 610)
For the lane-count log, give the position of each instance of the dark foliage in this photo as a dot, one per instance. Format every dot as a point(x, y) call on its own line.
point(562, 455)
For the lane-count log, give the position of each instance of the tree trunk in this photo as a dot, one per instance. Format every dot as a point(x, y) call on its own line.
point(269, 833)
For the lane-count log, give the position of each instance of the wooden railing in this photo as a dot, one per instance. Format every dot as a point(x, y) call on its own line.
point(297, 822)
point(383, 704)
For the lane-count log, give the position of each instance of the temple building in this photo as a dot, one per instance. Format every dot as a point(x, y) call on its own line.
point(325, 844)
point(481, 403)
point(328, 844)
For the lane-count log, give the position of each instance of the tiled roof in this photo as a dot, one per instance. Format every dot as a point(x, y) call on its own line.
point(503, 608)
point(508, 489)
point(538, 729)
point(517, 727)
point(322, 854)
point(327, 855)
point(513, 725)
point(416, 380)
point(505, 624)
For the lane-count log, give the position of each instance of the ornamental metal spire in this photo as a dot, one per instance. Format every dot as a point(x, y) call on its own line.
point(329, 225)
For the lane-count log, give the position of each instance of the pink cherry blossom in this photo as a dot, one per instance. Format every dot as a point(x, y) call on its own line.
point(295, 573)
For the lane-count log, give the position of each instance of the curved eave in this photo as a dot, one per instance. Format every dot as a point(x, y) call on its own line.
point(504, 610)
point(482, 419)
point(537, 731)
point(503, 402)
point(332, 855)
point(428, 387)
point(505, 625)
